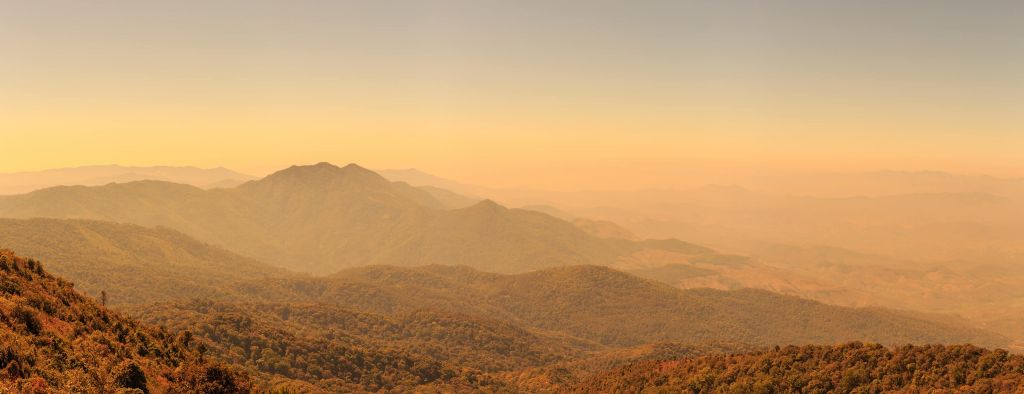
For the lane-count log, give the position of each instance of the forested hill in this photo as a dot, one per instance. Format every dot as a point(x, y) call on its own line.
point(305, 347)
point(323, 218)
point(613, 308)
point(53, 339)
point(850, 368)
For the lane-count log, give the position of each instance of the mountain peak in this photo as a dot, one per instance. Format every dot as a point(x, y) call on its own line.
point(488, 205)
point(324, 164)
point(325, 173)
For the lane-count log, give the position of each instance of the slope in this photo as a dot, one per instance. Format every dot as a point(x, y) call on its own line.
point(613, 308)
point(53, 339)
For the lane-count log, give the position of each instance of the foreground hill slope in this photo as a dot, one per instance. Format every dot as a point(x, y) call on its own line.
point(322, 218)
point(53, 339)
point(854, 367)
point(132, 264)
point(613, 308)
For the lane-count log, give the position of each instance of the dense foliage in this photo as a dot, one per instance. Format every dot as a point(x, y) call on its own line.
point(342, 350)
point(612, 308)
point(850, 368)
point(561, 376)
point(54, 339)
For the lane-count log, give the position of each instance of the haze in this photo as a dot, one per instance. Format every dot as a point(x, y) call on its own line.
point(573, 95)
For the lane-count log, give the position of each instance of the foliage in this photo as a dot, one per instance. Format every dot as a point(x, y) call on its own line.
point(850, 368)
point(336, 348)
point(611, 308)
point(53, 338)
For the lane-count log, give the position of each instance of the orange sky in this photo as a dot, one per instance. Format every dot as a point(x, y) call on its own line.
point(567, 95)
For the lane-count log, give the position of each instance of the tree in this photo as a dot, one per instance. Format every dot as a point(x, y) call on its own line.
point(129, 375)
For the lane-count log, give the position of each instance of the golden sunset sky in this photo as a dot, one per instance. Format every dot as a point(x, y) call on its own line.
point(557, 94)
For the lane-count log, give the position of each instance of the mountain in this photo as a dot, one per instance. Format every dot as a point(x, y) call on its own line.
point(131, 264)
point(54, 339)
point(612, 308)
point(323, 218)
point(24, 182)
point(849, 368)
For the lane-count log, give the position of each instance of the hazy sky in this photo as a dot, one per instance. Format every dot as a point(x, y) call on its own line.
point(535, 93)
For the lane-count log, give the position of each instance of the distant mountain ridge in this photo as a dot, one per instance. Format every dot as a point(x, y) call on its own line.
point(24, 182)
point(322, 218)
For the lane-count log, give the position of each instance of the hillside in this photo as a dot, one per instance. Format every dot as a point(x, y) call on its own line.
point(561, 376)
point(340, 350)
point(612, 308)
point(323, 218)
point(853, 367)
point(132, 264)
point(52, 338)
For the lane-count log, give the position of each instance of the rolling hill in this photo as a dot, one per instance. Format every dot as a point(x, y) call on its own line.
point(340, 350)
point(451, 328)
point(612, 308)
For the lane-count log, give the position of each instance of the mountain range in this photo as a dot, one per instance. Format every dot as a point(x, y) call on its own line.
point(323, 218)
point(207, 178)
point(334, 279)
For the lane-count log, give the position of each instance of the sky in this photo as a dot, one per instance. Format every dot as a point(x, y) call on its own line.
point(555, 94)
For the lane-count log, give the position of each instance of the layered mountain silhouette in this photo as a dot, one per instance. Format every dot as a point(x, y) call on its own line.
point(208, 178)
point(390, 328)
point(323, 218)
point(138, 265)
